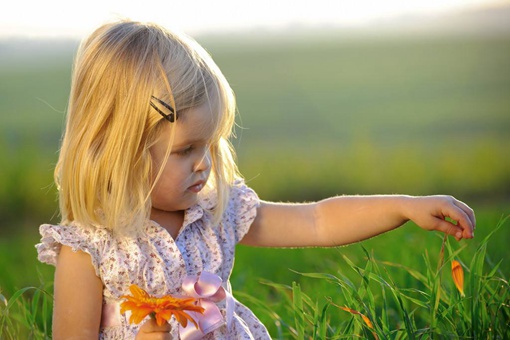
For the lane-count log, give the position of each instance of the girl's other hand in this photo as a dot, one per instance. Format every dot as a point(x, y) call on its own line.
point(151, 331)
point(442, 213)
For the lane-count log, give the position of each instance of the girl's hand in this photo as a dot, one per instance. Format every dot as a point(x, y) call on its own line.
point(431, 213)
point(151, 331)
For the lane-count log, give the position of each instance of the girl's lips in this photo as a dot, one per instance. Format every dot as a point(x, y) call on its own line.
point(197, 187)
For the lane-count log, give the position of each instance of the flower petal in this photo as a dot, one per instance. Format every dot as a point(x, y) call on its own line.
point(458, 276)
point(141, 304)
point(367, 321)
point(138, 292)
point(364, 317)
point(163, 317)
point(138, 314)
point(347, 309)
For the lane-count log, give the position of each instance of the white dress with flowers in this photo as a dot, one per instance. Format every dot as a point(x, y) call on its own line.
point(158, 263)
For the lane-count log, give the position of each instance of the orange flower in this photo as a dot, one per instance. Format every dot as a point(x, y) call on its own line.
point(365, 318)
point(458, 276)
point(141, 304)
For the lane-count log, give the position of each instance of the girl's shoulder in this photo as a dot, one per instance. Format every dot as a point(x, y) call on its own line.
point(241, 209)
point(241, 194)
point(90, 240)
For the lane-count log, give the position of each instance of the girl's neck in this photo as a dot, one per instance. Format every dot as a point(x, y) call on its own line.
point(170, 220)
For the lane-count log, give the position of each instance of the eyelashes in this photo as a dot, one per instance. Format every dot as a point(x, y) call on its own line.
point(185, 152)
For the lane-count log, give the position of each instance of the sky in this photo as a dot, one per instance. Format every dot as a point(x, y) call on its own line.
point(59, 18)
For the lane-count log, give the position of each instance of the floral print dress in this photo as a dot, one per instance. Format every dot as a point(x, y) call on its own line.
point(158, 264)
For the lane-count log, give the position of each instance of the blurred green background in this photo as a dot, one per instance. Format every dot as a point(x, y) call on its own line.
point(320, 116)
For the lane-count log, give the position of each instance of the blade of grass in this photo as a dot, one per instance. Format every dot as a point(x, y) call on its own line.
point(298, 310)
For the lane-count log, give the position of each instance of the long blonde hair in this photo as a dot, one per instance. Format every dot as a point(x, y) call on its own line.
point(104, 169)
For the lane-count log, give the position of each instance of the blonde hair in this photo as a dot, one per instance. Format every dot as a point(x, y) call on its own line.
point(104, 168)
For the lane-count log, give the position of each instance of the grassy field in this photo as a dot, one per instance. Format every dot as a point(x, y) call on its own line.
point(335, 115)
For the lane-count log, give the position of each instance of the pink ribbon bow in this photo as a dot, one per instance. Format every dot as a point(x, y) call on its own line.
point(207, 288)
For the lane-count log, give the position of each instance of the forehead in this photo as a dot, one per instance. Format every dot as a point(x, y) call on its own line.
point(198, 124)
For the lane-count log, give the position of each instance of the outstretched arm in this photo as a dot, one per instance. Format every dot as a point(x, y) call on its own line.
point(347, 219)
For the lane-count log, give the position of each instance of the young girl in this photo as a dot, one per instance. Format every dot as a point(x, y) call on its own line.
point(150, 194)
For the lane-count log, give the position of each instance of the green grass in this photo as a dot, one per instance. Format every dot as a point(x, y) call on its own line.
point(407, 247)
point(300, 293)
point(426, 304)
point(27, 313)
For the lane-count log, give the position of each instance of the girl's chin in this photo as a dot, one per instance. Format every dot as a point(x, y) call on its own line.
point(186, 201)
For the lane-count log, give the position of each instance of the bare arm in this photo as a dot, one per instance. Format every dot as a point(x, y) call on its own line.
point(347, 219)
point(78, 297)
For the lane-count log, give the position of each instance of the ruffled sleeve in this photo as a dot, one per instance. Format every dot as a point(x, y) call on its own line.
point(77, 238)
point(242, 209)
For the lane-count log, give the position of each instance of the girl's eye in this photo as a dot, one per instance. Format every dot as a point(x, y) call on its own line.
point(185, 152)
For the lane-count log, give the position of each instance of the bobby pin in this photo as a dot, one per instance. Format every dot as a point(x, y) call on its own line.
point(170, 117)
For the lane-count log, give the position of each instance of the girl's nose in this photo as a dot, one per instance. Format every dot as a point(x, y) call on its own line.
point(204, 163)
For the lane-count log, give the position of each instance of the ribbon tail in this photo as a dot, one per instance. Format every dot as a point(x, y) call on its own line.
point(212, 317)
point(190, 332)
point(229, 305)
point(207, 322)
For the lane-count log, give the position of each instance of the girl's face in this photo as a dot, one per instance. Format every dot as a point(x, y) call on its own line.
point(187, 169)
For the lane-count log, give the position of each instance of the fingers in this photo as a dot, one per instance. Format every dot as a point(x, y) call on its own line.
point(464, 216)
point(469, 212)
point(151, 330)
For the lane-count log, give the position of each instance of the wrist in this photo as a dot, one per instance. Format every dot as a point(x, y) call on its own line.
point(405, 205)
